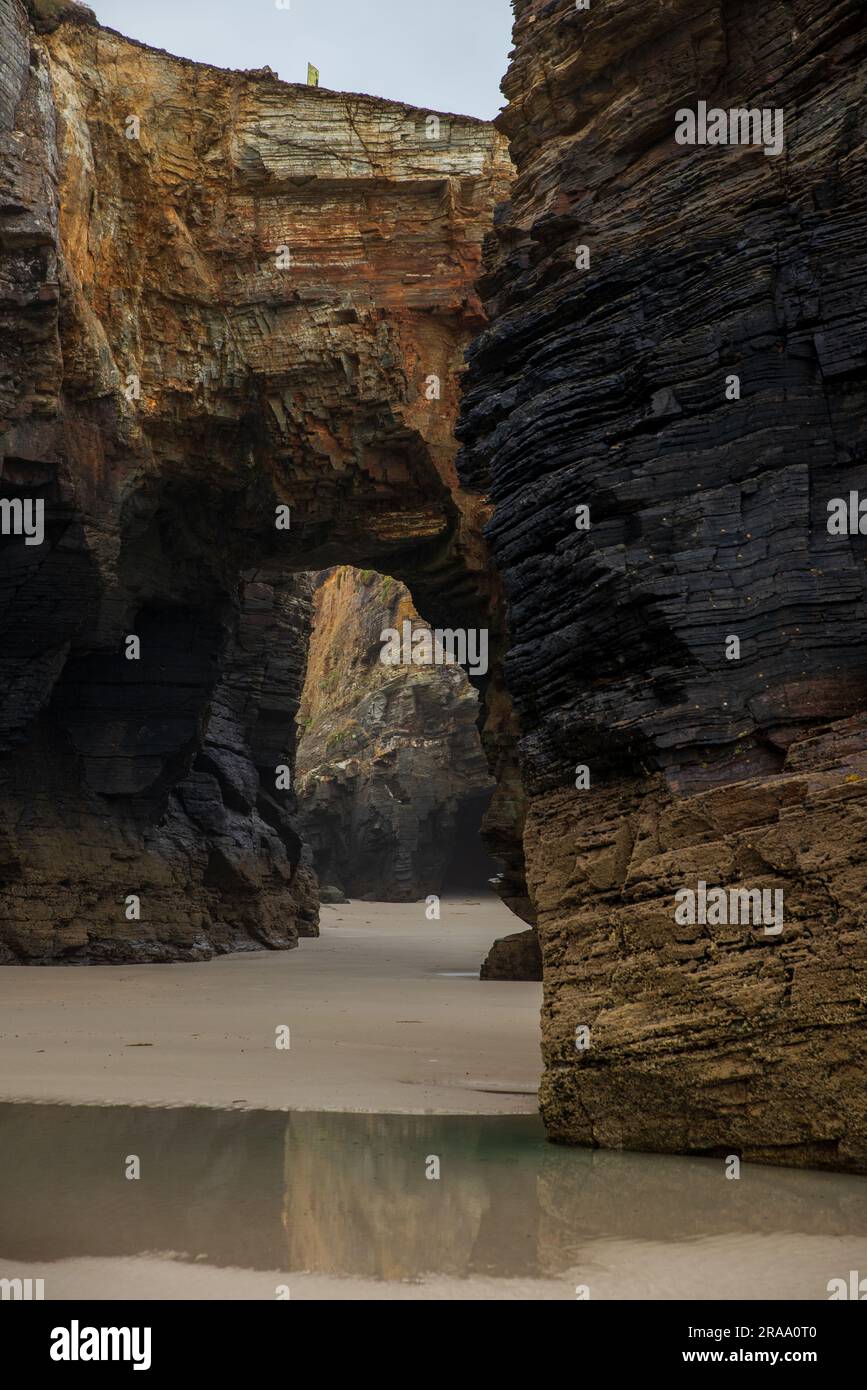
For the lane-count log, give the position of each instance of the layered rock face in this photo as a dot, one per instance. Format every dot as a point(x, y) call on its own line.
point(233, 312)
point(233, 316)
point(630, 280)
point(391, 776)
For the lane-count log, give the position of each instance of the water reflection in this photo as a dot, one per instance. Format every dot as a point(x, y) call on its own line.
point(347, 1195)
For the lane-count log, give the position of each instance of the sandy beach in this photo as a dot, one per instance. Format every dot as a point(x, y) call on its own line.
point(747, 1267)
point(385, 1011)
point(303, 1174)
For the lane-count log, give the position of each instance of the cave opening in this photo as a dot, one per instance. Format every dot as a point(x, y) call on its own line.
point(217, 736)
point(392, 781)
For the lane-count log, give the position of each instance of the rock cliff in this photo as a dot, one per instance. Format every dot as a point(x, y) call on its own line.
point(631, 279)
point(233, 314)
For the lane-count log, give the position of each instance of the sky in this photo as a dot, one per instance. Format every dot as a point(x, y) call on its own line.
point(445, 55)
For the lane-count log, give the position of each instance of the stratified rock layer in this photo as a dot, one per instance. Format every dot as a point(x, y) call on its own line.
point(220, 295)
point(605, 387)
point(391, 777)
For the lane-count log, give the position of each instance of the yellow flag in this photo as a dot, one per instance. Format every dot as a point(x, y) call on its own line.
point(312, 76)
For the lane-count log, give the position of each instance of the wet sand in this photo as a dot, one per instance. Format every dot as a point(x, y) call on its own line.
point(755, 1268)
point(385, 1010)
point(266, 1174)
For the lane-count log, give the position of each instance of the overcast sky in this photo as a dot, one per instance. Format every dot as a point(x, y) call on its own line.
point(448, 55)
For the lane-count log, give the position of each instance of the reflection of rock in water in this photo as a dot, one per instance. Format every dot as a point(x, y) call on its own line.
point(210, 1186)
point(346, 1194)
point(358, 1201)
point(646, 1197)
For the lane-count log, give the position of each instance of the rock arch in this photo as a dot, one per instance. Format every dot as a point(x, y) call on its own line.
point(259, 301)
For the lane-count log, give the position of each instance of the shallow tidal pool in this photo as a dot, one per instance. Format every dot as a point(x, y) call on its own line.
point(270, 1205)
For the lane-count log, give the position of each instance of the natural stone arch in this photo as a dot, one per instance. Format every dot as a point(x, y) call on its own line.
point(260, 301)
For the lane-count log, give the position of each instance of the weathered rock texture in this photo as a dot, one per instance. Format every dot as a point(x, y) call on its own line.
point(165, 387)
point(605, 387)
point(391, 777)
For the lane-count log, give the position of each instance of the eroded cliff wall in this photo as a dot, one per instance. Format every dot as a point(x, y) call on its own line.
point(221, 296)
point(605, 382)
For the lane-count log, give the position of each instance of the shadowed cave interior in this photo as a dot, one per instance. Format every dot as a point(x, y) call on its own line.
point(158, 824)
